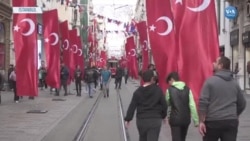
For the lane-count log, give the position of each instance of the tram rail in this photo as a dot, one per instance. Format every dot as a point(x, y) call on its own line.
point(83, 131)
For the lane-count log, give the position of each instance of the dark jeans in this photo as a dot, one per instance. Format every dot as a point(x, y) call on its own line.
point(179, 133)
point(43, 83)
point(64, 85)
point(118, 82)
point(149, 129)
point(126, 79)
point(16, 97)
point(96, 83)
point(10, 84)
point(90, 89)
point(78, 87)
point(225, 130)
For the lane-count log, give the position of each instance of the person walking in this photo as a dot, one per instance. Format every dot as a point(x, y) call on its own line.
point(89, 78)
point(64, 76)
point(106, 78)
point(149, 102)
point(42, 75)
point(152, 67)
point(220, 104)
point(181, 104)
point(11, 68)
point(78, 80)
point(126, 75)
point(13, 80)
point(118, 77)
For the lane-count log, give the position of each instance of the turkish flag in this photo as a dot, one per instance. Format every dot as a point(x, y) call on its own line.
point(91, 54)
point(123, 62)
point(131, 55)
point(79, 54)
point(25, 43)
point(73, 51)
point(142, 30)
point(65, 42)
point(90, 34)
point(162, 38)
point(103, 59)
point(197, 37)
point(52, 47)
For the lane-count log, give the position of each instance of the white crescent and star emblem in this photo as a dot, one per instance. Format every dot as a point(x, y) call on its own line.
point(178, 1)
point(132, 52)
point(66, 41)
point(202, 7)
point(169, 23)
point(90, 55)
point(74, 46)
point(80, 52)
point(101, 59)
point(56, 38)
point(31, 29)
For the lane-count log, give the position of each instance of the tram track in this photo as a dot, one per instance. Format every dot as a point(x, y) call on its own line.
point(92, 123)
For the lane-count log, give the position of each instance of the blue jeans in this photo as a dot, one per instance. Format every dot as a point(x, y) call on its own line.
point(90, 89)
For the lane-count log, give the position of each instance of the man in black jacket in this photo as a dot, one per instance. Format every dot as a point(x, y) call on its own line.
point(64, 76)
point(118, 77)
point(78, 79)
point(151, 108)
point(89, 77)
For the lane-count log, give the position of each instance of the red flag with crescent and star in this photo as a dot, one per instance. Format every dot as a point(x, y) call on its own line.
point(197, 37)
point(25, 44)
point(65, 42)
point(91, 54)
point(73, 51)
point(103, 59)
point(143, 34)
point(162, 38)
point(79, 54)
point(52, 47)
point(131, 56)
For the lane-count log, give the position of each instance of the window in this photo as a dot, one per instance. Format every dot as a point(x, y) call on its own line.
point(75, 16)
point(2, 32)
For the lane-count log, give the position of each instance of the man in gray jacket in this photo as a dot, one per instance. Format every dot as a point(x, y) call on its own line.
point(221, 102)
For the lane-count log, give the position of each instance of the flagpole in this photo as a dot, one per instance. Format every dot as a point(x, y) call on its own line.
point(148, 41)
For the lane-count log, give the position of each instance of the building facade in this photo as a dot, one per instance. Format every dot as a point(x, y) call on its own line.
point(6, 43)
point(239, 41)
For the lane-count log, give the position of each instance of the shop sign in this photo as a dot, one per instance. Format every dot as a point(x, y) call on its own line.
point(27, 10)
point(246, 38)
point(234, 37)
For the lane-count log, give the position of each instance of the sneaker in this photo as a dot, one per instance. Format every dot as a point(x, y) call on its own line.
point(16, 101)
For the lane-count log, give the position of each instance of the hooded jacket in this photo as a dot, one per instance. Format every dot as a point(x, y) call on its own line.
point(221, 97)
point(149, 102)
point(181, 105)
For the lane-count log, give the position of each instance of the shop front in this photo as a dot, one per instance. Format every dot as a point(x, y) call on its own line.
point(246, 43)
point(6, 43)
